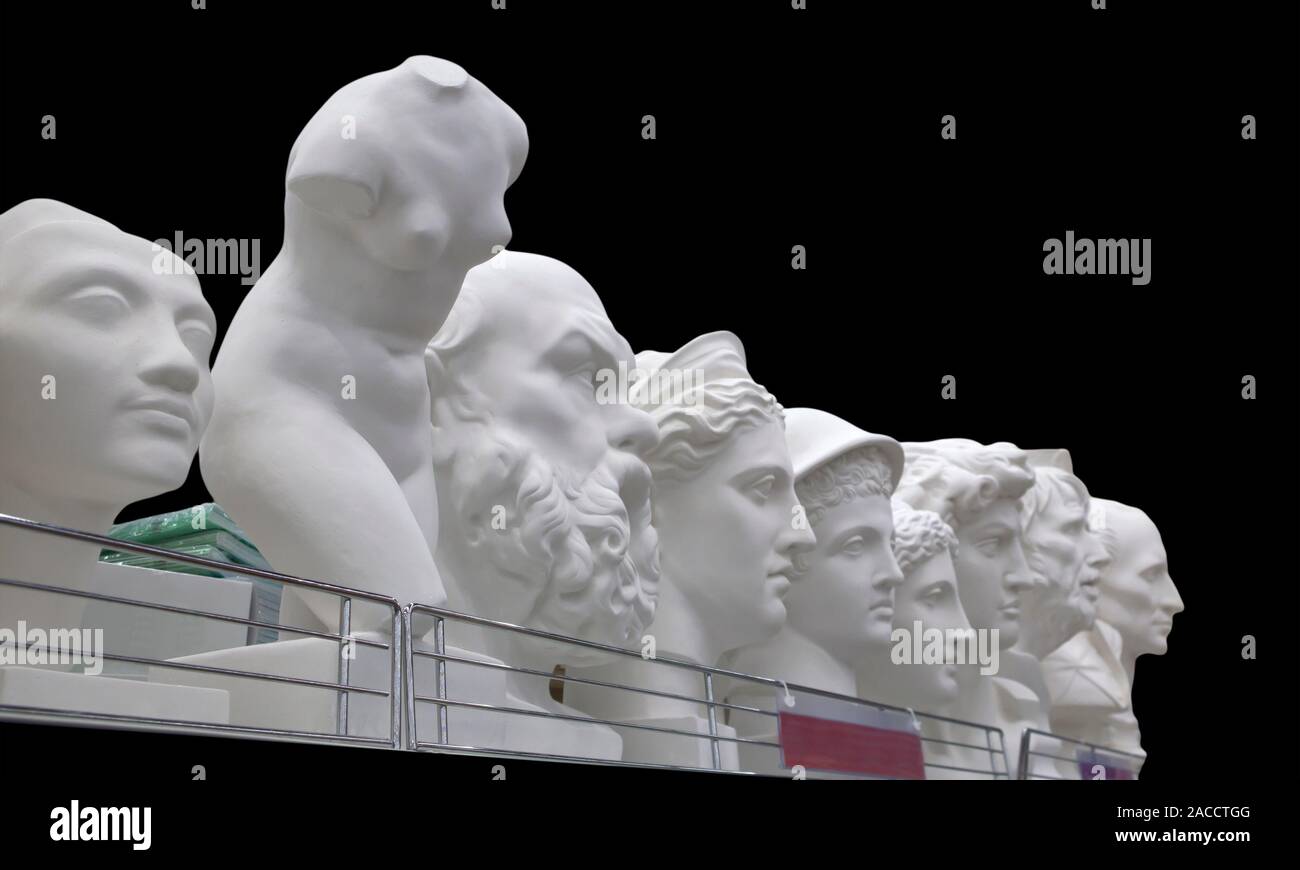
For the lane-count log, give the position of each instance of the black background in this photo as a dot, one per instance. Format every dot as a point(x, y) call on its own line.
point(821, 128)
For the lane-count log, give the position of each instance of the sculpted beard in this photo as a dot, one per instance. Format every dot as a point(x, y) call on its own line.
point(1055, 612)
point(583, 551)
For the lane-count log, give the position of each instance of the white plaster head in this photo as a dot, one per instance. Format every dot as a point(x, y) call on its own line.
point(1064, 553)
point(842, 597)
point(543, 492)
point(407, 169)
point(104, 364)
point(976, 489)
point(724, 497)
point(925, 547)
point(1138, 597)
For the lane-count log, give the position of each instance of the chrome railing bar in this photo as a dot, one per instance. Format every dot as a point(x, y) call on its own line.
point(48, 712)
point(172, 555)
point(440, 644)
point(1096, 747)
point(941, 742)
point(396, 698)
point(695, 666)
point(186, 611)
point(345, 661)
point(408, 673)
point(502, 666)
point(589, 720)
point(455, 749)
point(209, 669)
point(252, 675)
point(978, 770)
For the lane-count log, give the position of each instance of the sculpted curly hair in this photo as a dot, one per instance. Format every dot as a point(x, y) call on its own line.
point(920, 535)
point(861, 472)
point(958, 478)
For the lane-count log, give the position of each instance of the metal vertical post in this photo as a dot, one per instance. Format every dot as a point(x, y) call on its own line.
point(347, 650)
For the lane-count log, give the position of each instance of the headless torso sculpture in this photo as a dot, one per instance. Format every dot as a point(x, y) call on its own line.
point(320, 445)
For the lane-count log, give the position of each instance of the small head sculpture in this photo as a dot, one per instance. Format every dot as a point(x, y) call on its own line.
point(843, 594)
point(925, 547)
point(976, 489)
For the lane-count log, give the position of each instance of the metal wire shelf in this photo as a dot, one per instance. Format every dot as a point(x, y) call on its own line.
point(398, 694)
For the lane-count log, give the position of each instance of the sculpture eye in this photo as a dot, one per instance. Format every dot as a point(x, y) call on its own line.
point(854, 546)
point(197, 337)
point(98, 304)
point(762, 488)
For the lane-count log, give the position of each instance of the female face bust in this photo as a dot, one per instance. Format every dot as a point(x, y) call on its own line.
point(104, 360)
point(724, 501)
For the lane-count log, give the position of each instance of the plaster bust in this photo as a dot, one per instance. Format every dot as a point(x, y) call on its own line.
point(1138, 597)
point(724, 506)
point(841, 603)
point(320, 445)
point(976, 489)
point(105, 386)
point(1064, 554)
point(546, 518)
point(924, 546)
point(1091, 675)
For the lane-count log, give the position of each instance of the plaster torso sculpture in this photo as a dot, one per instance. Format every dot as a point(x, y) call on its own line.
point(1091, 681)
point(320, 445)
point(545, 493)
point(924, 546)
point(723, 505)
point(106, 390)
point(841, 603)
point(976, 489)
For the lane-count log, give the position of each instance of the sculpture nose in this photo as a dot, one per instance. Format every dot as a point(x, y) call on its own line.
point(632, 430)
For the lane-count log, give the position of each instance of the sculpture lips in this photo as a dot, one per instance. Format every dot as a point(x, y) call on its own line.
point(182, 410)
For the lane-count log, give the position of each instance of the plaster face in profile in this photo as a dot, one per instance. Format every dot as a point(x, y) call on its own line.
point(993, 570)
point(1138, 597)
point(545, 491)
point(724, 503)
point(976, 489)
point(1064, 555)
point(734, 560)
point(105, 384)
point(320, 445)
point(846, 598)
point(929, 596)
